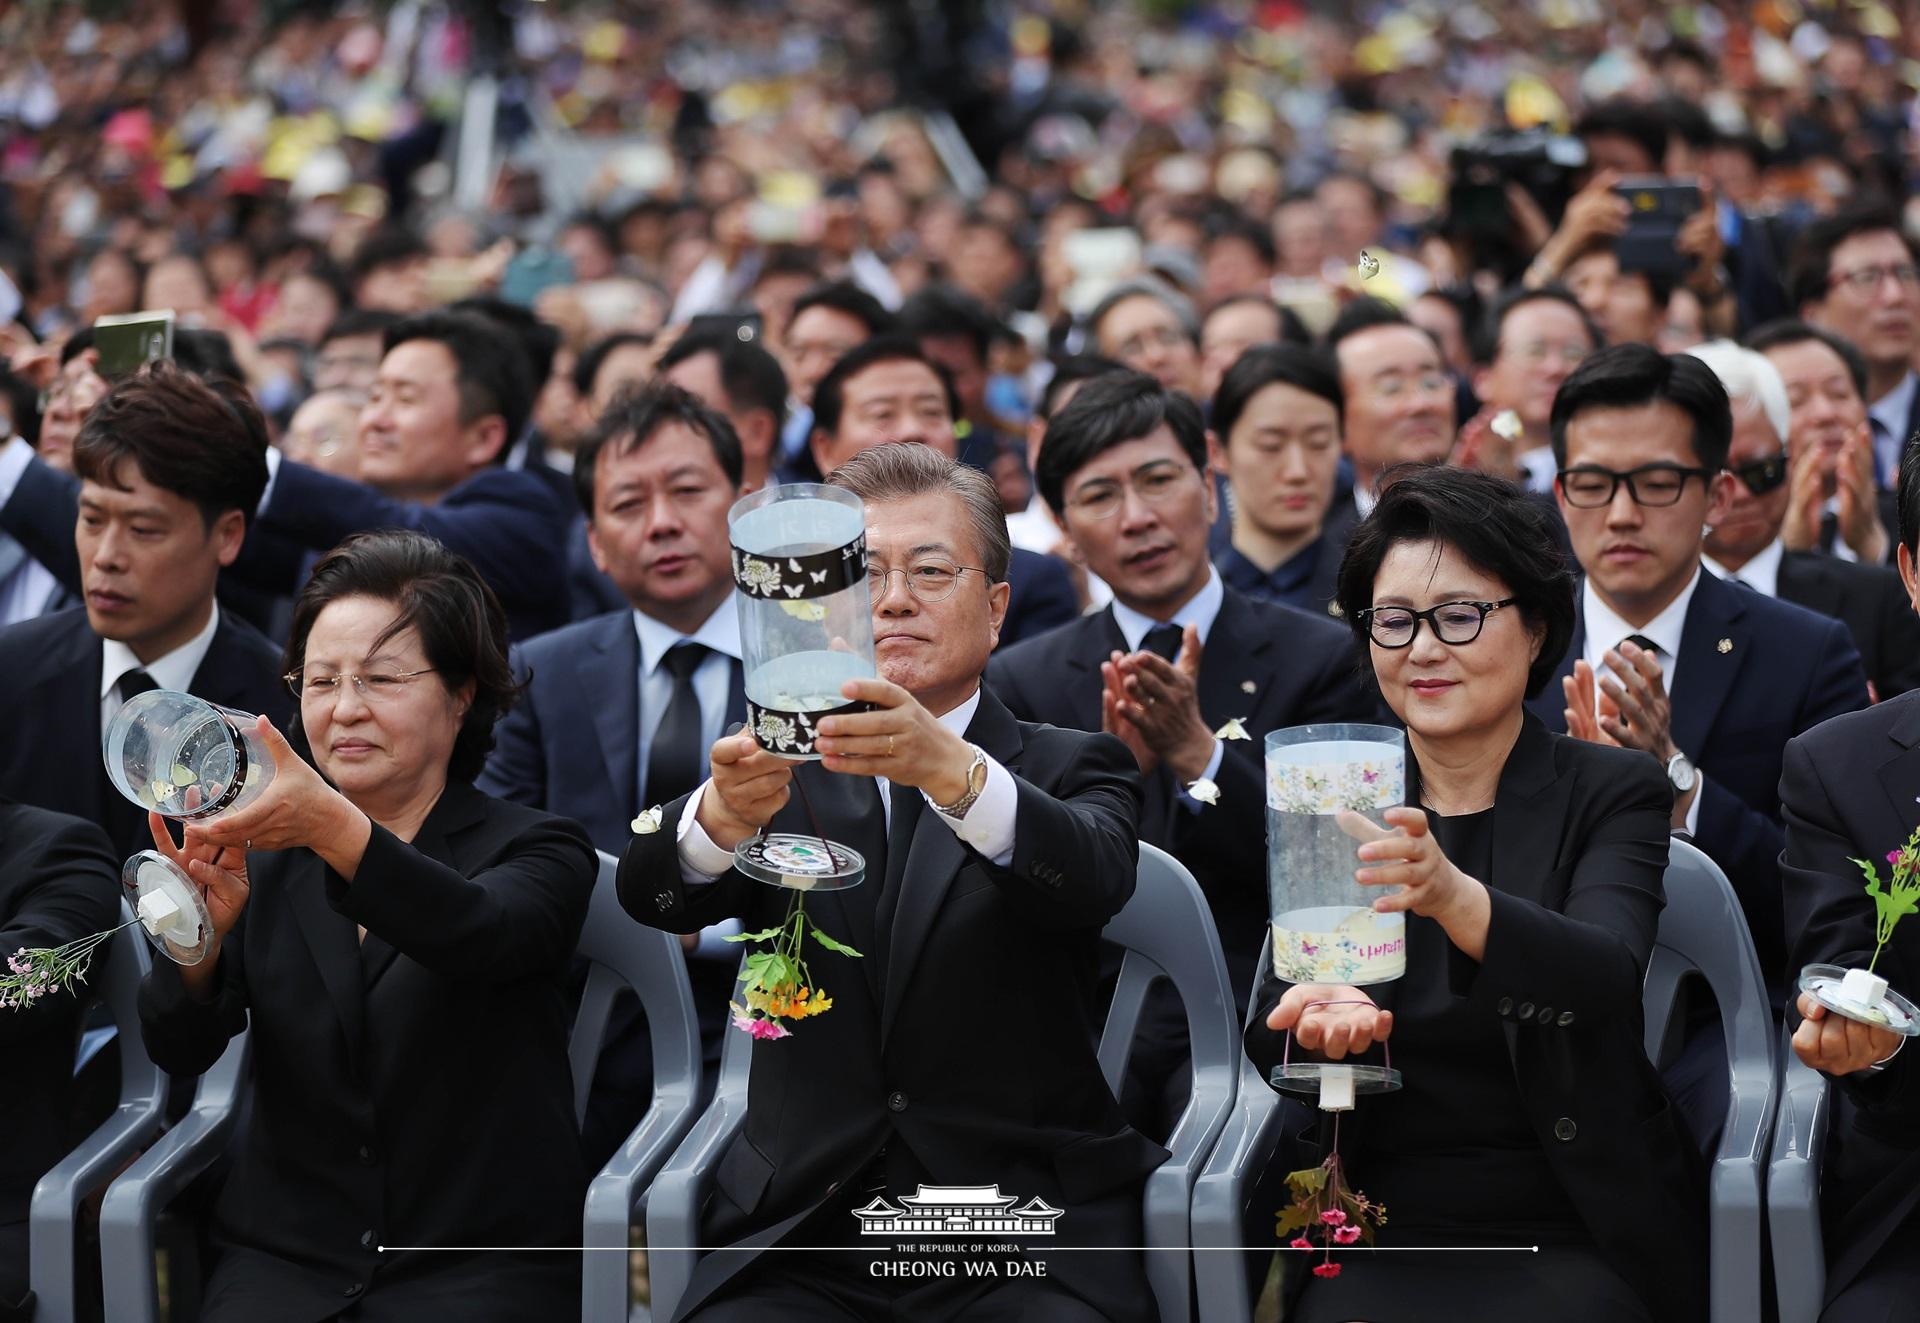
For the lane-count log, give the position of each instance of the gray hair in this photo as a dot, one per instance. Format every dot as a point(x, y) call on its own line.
point(1751, 381)
point(898, 470)
point(1151, 287)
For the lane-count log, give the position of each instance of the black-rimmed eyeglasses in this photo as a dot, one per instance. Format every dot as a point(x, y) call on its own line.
point(1454, 623)
point(1658, 485)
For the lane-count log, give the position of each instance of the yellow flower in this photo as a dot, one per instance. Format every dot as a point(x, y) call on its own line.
point(819, 1004)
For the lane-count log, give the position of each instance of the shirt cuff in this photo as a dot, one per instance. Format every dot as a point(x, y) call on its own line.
point(1693, 809)
point(14, 458)
point(1881, 1064)
point(1187, 801)
point(701, 861)
point(273, 472)
point(988, 824)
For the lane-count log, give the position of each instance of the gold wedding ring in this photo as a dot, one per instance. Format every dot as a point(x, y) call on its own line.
point(889, 746)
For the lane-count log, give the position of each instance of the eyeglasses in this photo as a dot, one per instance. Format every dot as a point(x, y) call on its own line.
point(1453, 623)
point(1654, 485)
point(1160, 337)
point(1539, 351)
point(1762, 475)
point(377, 687)
point(1866, 279)
point(1101, 498)
point(927, 580)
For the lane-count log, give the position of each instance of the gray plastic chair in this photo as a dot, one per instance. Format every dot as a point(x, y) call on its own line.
point(1703, 930)
point(622, 953)
point(625, 954)
point(1167, 932)
point(1225, 1189)
point(1793, 1190)
point(52, 1266)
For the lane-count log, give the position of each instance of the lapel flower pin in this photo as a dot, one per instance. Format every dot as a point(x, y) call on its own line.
point(1233, 730)
point(1247, 686)
point(1369, 265)
point(1724, 645)
point(648, 822)
point(1205, 791)
point(1507, 424)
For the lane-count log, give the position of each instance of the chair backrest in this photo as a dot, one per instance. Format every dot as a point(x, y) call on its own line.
point(1703, 931)
point(1167, 932)
point(115, 977)
point(625, 954)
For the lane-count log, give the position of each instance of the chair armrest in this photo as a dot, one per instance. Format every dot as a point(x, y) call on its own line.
point(1245, 1147)
point(617, 1188)
point(52, 1263)
point(1793, 1191)
point(137, 1197)
point(1168, 1202)
point(679, 1190)
point(1737, 1194)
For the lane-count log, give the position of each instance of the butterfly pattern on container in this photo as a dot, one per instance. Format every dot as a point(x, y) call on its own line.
point(1362, 786)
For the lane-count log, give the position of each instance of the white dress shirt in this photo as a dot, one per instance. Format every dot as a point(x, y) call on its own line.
point(26, 592)
point(1762, 573)
point(1889, 416)
point(1605, 630)
point(987, 827)
point(1200, 610)
point(173, 671)
point(14, 458)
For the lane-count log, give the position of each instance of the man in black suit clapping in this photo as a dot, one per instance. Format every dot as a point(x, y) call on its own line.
point(959, 1051)
point(170, 468)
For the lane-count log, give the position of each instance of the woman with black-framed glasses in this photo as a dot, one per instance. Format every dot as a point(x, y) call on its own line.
point(1529, 865)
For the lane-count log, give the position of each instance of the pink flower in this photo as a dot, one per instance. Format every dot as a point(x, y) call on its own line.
point(1327, 1270)
point(1334, 1217)
point(1346, 1235)
point(1300, 1242)
point(1893, 856)
point(768, 1029)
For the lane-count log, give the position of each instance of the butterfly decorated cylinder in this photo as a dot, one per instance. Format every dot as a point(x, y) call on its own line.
point(806, 623)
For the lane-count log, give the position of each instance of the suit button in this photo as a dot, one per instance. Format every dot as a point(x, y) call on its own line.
point(1566, 1018)
point(897, 1101)
point(1564, 1129)
point(1546, 1015)
point(354, 1288)
point(664, 899)
point(1526, 1010)
point(366, 1155)
point(366, 1240)
point(1506, 1006)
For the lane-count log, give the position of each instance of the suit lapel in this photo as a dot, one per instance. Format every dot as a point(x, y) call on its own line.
point(1529, 816)
point(610, 679)
point(1235, 657)
point(1714, 642)
point(331, 939)
point(1094, 638)
point(934, 857)
point(1900, 773)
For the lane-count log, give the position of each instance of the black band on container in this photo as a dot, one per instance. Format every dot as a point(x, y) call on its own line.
point(235, 784)
point(796, 578)
point(792, 734)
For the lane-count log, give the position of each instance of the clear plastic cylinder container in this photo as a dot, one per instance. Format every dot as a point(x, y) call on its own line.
point(183, 757)
point(1324, 926)
point(806, 617)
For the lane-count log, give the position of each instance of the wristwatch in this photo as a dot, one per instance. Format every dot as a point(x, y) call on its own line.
point(1680, 772)
point(976, 782)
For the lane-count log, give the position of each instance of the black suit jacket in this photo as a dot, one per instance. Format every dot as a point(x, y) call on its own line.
point(964, 1040)
point(1754, 673)
point(59, 882)
point(1851, 788)
point(415, 1086)
point(1579, 850)
point(1871, 601)
point(584, 678)
point(1267, 664)
point(50, 709)
point(1041, 599)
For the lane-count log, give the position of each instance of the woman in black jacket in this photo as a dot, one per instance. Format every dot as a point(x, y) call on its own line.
point(1529, 865)
point(401, 972)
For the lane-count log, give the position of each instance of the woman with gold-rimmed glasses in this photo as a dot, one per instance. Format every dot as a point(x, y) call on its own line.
point(397, 944)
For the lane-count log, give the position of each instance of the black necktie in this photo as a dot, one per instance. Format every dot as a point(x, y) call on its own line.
point(1642, 641)
point(675, 761)
point(1163, 639)
point(135, 681)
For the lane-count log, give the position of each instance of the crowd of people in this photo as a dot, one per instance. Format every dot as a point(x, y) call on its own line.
point(1538, 377)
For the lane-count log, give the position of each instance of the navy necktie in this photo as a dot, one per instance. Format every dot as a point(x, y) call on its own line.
point(1163, 639)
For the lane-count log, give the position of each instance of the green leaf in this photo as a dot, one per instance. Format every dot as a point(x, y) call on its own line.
point(1308, 1181)
point(840, 948)
point(756, 975)
point(764, 935)
point(1292, 1218)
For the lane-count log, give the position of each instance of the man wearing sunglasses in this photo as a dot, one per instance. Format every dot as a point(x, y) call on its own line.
point(1705, 676)
point(1746, 546)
